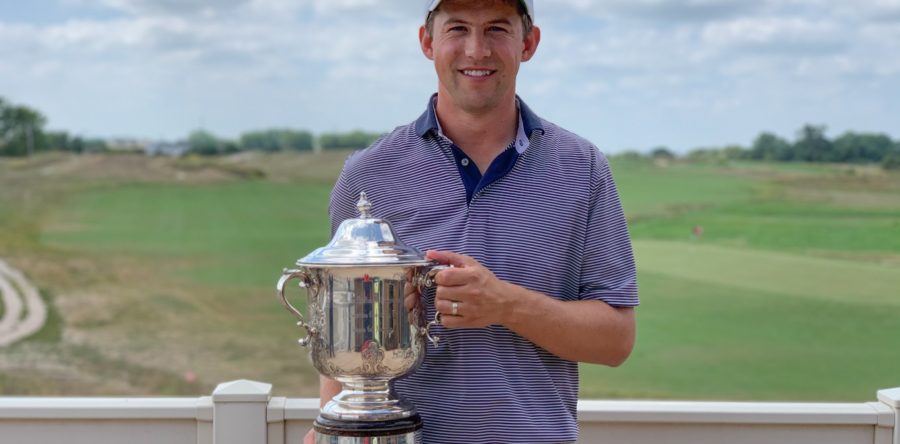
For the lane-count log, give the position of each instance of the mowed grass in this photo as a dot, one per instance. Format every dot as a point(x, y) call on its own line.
point(699, 339)
point(791, 293)
point(235, 234)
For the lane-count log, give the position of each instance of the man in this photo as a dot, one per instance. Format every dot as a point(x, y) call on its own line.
point(528, 216)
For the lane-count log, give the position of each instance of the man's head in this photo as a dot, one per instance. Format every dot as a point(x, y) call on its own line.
point(477, 47)
point(525, 7)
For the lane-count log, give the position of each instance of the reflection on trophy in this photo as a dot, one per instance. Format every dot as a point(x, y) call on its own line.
point(359, 330)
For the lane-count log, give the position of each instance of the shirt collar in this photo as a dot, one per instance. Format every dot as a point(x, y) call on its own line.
point(528, 123)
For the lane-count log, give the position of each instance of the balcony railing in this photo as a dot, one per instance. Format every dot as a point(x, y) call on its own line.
point(245, 412)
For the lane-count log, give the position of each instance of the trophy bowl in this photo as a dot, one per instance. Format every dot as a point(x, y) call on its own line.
point(358, 328)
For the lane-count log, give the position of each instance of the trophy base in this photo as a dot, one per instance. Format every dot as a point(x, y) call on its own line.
point(397, 431)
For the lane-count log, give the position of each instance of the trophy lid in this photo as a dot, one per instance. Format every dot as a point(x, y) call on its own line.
point(364, 241)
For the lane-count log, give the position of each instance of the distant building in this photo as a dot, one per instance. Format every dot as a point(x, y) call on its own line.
point(173, 149)
point(123, 144)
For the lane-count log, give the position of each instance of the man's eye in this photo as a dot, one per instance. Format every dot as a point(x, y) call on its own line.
point(497, 29)
point(457, 29)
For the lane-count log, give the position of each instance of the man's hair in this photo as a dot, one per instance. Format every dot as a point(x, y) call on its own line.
point(527, 24)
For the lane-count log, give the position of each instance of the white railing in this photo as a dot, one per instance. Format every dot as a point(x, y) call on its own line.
point(245, 412)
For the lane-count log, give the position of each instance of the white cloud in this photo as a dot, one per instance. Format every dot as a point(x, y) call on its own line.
point(341, 64)
point(777, 34)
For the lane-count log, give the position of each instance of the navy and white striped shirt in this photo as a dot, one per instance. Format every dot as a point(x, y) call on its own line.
point(552, 223)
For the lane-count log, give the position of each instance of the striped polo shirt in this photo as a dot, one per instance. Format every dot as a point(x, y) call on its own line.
point(552, 223)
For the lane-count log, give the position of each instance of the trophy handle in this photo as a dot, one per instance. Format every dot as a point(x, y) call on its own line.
point(305, 281)
point(437, 321)
point(426, 280)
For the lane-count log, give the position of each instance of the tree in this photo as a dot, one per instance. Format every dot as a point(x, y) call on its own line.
point(352, 140)
point(813, 146)
point(768, 146)
point(57, 140)
point(260, 140)
point(297, 140)
point(662, 152)
point(277, 140)
point(862, 147)
point(21, 129)
point(203, 142)
point(735, 152)
point(93, 146)
point(891, 161)
point(706, 155)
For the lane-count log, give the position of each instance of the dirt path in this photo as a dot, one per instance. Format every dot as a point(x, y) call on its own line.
point(24, 312)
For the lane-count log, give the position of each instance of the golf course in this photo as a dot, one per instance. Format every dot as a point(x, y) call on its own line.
point(758, 281)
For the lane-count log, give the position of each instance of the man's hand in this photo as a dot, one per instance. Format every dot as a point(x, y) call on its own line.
point(468, 295)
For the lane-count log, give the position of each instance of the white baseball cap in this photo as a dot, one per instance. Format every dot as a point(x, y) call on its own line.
point(529, 6)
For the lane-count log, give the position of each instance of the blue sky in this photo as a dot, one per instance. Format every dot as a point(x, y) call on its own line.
point(623, 73)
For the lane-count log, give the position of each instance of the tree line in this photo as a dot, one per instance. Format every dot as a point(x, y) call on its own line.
point(23, 132)
point(272, 140)
point(810, 145)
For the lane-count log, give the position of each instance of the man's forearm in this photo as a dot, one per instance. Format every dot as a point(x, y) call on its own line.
point(328, 388)
point(582, 331)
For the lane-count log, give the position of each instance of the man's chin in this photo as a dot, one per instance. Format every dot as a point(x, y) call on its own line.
point(478, 105)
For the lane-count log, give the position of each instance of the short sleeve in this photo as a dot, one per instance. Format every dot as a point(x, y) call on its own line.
point(608, 270)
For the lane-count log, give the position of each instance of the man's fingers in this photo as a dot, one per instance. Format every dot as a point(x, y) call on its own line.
point(455, 277)
point(410, 301)
point(450, 258)
point(445, 307)
point(450, 293)
point(448, 321)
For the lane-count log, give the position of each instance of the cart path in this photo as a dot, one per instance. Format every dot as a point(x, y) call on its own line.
point(19, 297)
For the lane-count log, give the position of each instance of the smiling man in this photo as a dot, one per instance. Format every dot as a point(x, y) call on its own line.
point(527, 214)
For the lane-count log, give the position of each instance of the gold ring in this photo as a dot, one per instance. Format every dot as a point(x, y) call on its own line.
point(454, 309)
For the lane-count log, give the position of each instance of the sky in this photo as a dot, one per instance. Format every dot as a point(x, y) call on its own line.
point(625, 74)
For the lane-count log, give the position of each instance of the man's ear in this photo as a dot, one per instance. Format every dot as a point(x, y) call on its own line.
point(425, 41)
point(531, 44)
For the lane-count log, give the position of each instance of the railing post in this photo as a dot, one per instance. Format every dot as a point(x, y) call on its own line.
point(239, 415)
point(891, 397)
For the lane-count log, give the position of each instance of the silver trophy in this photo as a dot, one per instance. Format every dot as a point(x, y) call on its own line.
point(359, 330)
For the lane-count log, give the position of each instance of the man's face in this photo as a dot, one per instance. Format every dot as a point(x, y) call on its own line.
point(477, 46)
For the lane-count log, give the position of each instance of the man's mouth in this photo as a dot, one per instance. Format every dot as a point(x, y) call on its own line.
point(477, 72)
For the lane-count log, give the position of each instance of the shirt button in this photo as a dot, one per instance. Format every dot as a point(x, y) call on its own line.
point(464, 162)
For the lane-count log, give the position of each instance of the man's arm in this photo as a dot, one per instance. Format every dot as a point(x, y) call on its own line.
point(582, 331)
point(328, 388)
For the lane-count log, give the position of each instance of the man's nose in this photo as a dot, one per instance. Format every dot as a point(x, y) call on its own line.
point(477, 47)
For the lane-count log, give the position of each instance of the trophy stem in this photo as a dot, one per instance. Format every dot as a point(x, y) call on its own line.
point(366, 400)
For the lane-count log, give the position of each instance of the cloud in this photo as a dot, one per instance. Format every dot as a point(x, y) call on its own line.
point(776, 34)
point(660, 11)
point(342, 64)
point(173, 7)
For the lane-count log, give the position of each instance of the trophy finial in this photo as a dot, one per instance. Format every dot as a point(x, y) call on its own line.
point(364, 206)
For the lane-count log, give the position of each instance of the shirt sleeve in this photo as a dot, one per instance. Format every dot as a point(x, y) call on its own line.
point(608, 271)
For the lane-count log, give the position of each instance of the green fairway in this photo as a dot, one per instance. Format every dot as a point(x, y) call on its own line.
point(702, 339)
point(235, 234)
point(791, 292)
point(770, 272)
point(648, 190)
